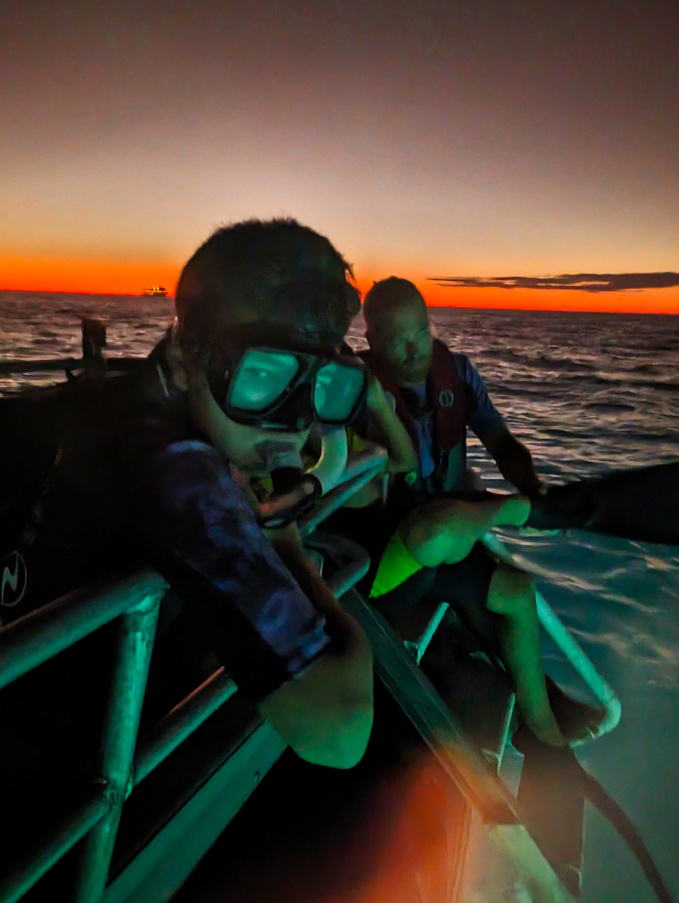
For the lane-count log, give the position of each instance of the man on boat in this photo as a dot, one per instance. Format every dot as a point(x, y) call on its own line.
point(439, 395)
point(141, 469)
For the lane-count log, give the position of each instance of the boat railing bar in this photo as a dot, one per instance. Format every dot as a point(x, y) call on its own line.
point(355, 561)
point(32, 640)
point(583, 666)
point(359, 471)
point(42, 634)
point(98, 365)
point(344, 580)
point(28, 870)
point(126, 697)
point(570, 649)
point(167, 859)
point(432, 718)
point(189, 714)
point(181, 722)
point(461, 761)
point(93, 344)
point(418, 647)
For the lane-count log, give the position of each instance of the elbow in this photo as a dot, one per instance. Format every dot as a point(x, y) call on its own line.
point(326, 715)
point(345, 748)
point(403, 464)
point(411, 463)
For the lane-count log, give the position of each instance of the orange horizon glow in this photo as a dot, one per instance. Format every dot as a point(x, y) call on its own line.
point(96, 277)
point(649, 301)
point(106, 277)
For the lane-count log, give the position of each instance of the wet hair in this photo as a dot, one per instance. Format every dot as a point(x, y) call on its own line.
point(386, 295)
point(275, 274)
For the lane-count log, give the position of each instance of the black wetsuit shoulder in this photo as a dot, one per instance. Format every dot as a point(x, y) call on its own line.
point(66, 460)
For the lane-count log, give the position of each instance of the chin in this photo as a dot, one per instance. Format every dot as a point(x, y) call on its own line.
point(413, 377)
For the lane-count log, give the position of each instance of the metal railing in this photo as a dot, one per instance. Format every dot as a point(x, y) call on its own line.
point(39, 636)
point(135, 601)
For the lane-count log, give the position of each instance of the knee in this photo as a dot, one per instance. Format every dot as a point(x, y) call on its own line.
point(511, 592)
point(438, 533)
point(421, 531)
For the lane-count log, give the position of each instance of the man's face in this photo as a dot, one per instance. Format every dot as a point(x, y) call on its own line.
point(402, 339)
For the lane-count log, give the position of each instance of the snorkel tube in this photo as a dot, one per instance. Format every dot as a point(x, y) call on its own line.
point(294, 488)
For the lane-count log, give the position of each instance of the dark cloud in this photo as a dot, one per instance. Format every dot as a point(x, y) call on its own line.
point(583, 282)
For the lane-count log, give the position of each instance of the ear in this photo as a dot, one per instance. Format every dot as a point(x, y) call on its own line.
point(206, 413)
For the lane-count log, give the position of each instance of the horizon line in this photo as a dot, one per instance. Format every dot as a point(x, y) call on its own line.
point(452, 306)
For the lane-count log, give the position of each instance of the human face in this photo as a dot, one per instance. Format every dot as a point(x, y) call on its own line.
point(243, 445)
point(402, 340)
point(326, 388)
point(247, 446)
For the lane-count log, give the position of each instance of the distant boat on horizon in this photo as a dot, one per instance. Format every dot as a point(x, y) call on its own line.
point(155, 290)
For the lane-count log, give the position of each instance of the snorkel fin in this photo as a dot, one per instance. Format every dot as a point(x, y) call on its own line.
point(295, 490)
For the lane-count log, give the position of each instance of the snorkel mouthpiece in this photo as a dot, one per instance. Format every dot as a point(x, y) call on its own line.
point(294, 491)
point(279, 454)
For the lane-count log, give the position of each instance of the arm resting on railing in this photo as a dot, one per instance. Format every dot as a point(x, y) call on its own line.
point(325, 714)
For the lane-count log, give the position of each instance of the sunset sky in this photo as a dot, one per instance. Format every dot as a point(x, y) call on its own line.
point(493, 143)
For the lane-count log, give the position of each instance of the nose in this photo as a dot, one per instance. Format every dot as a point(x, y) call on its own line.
point(411, 350)
point(297, 410)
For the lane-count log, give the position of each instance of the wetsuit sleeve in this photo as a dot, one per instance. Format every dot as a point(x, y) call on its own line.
point(202, 535)
point(482, 415)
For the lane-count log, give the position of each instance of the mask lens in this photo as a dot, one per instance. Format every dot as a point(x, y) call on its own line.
point(336, 391)
point(261, 378)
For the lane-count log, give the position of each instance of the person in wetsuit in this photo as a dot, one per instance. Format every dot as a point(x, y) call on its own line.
point(139, 470)
point(440, 516)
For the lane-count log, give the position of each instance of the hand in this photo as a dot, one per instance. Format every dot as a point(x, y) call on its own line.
point(531, 485)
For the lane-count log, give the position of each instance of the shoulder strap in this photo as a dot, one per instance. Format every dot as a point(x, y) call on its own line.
point(449, 398)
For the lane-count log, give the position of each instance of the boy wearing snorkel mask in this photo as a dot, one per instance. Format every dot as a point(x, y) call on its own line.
point(261, 312)
point(141, 473)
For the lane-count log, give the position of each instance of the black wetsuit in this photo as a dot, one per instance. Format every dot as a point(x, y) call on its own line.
point(108, 475)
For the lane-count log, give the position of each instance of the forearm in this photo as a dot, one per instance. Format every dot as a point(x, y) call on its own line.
point(342, 629)
point(326, 713)
point(516, 464)
point(387, 430)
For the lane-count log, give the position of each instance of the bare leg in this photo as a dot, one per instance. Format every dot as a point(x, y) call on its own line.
point(511, 595)
point(443, 532)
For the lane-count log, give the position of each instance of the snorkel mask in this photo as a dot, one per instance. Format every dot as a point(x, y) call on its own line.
point(281, 389)
point(289, 390)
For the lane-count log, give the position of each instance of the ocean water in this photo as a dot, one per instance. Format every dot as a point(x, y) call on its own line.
point(587, 393)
